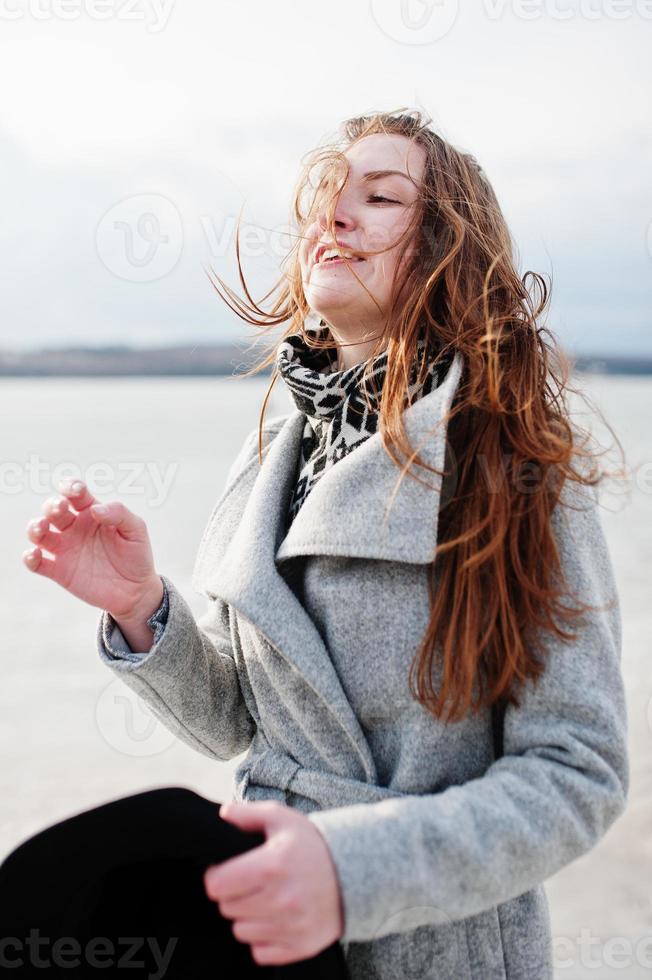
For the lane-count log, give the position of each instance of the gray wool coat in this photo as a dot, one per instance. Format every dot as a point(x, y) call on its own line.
point(301, 659)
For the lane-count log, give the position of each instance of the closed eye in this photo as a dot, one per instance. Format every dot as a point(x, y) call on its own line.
point(379, 197)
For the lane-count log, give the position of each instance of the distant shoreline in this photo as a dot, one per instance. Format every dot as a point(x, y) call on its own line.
point(124, 361)
point(212, 360)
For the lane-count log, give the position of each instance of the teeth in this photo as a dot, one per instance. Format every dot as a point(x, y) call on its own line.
point(334, 253)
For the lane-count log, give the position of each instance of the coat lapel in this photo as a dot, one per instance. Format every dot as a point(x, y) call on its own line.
point(345, 514)
point(360, 509)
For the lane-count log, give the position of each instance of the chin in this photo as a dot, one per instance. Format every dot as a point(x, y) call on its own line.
point(323, 304)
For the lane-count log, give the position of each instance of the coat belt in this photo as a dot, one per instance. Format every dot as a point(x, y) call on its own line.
point(275, 770)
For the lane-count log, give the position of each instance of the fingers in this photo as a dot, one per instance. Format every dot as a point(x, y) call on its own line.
point(239, 876)
point(270, 955)
point(115, 514)
point(45, 532)
point(256, 930)
point(38, 532)
point(77, 493)
point(58, 513)
point(58, 510)
point(255, 905)
point(35, 561)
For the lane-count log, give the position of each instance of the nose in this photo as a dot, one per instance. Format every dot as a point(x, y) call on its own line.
point(343, 218)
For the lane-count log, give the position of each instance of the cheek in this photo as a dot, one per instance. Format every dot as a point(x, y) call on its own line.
point(384, 269)
point(386, 236)
point(304, 265)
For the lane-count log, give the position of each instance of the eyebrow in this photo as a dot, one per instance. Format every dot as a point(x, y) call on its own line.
point(377, 174)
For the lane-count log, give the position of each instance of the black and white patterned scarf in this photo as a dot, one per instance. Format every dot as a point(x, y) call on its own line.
point(334, 402)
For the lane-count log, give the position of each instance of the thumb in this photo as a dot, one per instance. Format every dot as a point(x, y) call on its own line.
point(115, 514)
point(254, 815)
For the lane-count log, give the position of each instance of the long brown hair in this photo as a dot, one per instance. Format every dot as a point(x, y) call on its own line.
point(496, 582)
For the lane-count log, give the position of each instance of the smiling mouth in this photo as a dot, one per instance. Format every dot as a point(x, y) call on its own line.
point(337, 260)
point(329, 256)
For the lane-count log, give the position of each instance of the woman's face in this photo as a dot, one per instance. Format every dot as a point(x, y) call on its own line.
point(374, 208)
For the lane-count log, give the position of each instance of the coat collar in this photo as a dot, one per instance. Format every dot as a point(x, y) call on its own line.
point(359, 508)
point(243, 547)
point(348, 512)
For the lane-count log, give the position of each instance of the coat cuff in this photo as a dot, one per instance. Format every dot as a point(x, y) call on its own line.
point(374, 859)
point(112, 643)
point(435, 859)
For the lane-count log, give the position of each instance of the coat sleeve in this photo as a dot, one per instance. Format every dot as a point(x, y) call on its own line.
point(116, 645)
point(189, 677)
point(562, 781)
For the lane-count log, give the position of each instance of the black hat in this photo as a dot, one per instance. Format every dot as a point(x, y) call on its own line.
point(122, 884)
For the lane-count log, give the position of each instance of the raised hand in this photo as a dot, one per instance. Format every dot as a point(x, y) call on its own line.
point(101, 553)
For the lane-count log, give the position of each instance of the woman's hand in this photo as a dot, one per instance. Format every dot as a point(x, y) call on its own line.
point(283, 895)
point(103, 558)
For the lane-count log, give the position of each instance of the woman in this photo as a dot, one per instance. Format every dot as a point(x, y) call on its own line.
point(427, 741)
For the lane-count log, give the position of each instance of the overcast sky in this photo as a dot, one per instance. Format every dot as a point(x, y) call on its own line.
point(132, 131)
